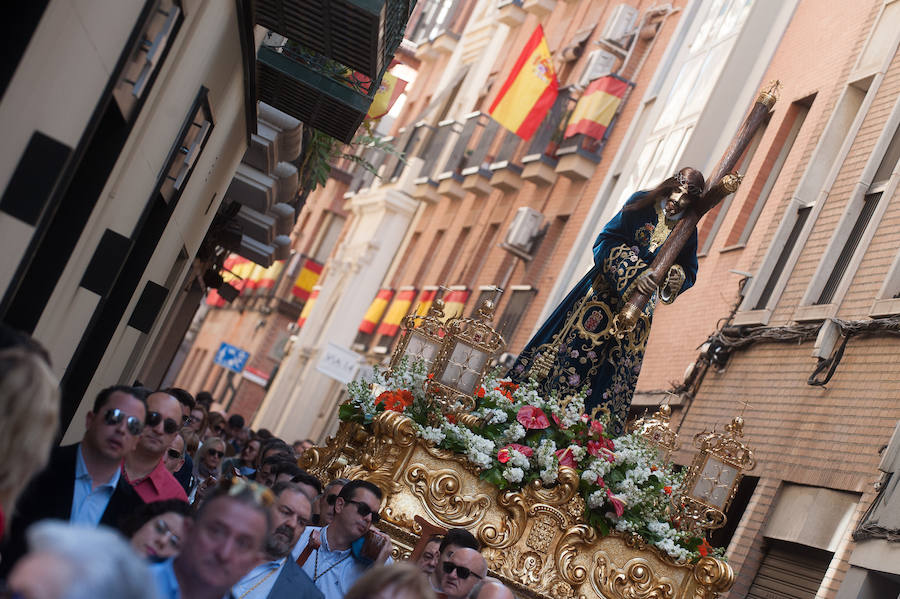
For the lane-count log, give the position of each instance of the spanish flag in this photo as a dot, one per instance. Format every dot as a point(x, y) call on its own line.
point(425, 301)
point(253, 278)
point(597, 107)
point(529, 91)
point(390, 89)
point(270, 276)
point(307, 308)
point(376, 311)
point(455, 302)
point(308, 277)
point(391, 322)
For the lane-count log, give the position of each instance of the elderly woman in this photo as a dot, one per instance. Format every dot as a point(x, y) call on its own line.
point(207, 468)
point(157, 528)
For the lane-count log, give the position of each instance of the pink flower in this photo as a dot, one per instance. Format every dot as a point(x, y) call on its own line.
point(600, 482)
point(503, 455)
point(532, 418)
point(618, 504)
point(594, 448)
point(523, 449)
point(596, 427)
point(557, 421)
point(565, 457)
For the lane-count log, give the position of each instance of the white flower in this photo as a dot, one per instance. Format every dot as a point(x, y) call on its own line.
point(515, 432)
point(513, 474)
point(432, 434)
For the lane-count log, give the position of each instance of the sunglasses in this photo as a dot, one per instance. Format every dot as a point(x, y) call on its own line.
point(330, 499)
point(175, 455)
point(186, 420)
point(169, 425)
point(364, 510)
point(461, 571)
point(163, 529)
point(133, 424)
point(215, 452)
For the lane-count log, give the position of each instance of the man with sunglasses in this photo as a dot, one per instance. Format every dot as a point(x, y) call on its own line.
point(460, 571)
point(144, 467)
point(336, 555)
point(82, 482)
point(323, 507)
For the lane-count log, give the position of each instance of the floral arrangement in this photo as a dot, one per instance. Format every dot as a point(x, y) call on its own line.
point(526, 437)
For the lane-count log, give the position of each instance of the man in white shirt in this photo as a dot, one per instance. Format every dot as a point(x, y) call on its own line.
point(336, 555)
point(279, 577)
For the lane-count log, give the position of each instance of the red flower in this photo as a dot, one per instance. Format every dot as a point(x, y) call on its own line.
point(431, 375)
point(557, 421)
point(654, 468)
point(600, 482)
point(523, 449)
point(597, 427)
point(618, 504)
point(565, 457)
point(505, 393)
point(532, 418)
point(704, 548)
point(396, 401)
point(451, 418)
point(480, 392)
point(509, 386)
point(594, 448)
point(667, 490)
point(585, 418)
point(503, 455)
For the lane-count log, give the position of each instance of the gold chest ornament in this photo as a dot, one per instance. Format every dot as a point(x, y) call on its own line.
point(662, 230)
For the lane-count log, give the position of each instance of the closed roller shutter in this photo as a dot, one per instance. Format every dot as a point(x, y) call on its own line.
point(789, 571)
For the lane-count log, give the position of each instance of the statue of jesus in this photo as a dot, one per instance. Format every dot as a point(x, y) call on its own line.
point(575, 347)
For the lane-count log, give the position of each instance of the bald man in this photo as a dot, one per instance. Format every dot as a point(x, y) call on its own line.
point(460, 571)
point(491, 588)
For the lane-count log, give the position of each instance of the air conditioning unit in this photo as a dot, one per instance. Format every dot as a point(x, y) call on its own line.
point(620, 22)
point(599, 64)
point(524, 228)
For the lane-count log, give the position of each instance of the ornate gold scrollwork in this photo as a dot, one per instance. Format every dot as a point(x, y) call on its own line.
point(635, 580)
point(440, 493)
point(713, 576)
point(574, 541)
point(508, 530)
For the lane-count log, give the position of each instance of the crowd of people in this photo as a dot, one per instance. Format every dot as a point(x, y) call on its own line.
point(164, 497)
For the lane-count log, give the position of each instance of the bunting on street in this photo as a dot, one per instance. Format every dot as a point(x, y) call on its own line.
point(425, 301)
point(376, 311)
point(270, 276)
point(306, 279)
point(597, 106)
point(390, 324)
point(529, 91)
point(455, 302)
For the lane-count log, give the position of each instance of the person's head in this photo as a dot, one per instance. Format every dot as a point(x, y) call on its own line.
point(191, 441)
point(309, 483)
point(460, 571)
point(267, 473)
point(211, 454)
point(186, 400)
point(198, 419)
point(264, 434)
point(301, 446)
point(428, 560)
point(687, 188)
point(356, 508)
point(115, 424)
point(491, 588)
point(174, 458)
point(249, 453)
point(291, 514)
point(286, 472)
point(270, 447)
point(235, 425)
point(227, 536)
point(29, 402)
point(324, 506)
point(396, 581)
point(79, 562)
point(205, 399)
point(157, 528)
point(455, 538)
point(164, 417)
point(215, 426)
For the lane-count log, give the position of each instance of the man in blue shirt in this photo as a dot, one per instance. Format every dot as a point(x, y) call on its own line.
point(82, 482)
point(224, 541)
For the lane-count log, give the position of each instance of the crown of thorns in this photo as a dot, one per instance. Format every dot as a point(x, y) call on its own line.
point(692, 189)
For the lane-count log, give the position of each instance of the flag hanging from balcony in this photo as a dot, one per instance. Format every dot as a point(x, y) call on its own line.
point(270, 276)
point(454, 303)
point(390, 89)
point(425, 301)
point(391, 322)
point(308, 276)
point(307, 308)
point(376, 311)
point(597, 107)
point(529, 91)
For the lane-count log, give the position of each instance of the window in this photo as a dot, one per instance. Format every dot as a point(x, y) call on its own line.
point(426, 259)
point(329, 238)
point(435, 17)
point(453, 257)
point(800, 218)
point(477, 260)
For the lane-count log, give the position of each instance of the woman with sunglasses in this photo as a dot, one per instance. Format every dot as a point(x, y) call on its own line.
point(207, 468)
point(574, 349)
point(156, 529)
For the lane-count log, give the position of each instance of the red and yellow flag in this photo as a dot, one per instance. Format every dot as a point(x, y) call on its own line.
point(529, 91)
point(597, 107)
point(455, 302)
point(307, 308)
point(390, 89)
point(270, 276)
point(391, 322)
point(308, 277)
point(375, 311)
point(253, 277)
point(425, 301)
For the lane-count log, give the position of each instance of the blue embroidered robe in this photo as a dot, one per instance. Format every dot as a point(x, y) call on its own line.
point(585, 356)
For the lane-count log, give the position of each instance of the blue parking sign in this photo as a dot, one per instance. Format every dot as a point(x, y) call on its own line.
point(231, 357)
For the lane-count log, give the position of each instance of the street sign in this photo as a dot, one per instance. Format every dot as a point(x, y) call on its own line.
point(338, 363)
point(231, 357)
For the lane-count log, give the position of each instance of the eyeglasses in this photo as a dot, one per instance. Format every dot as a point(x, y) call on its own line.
point(215, 452)
point(163, 529)
point(461, 571)
point(330, 499)
point(186, 420)
point(173, 454)
point(364, 510)
point(262, 495)
point(133, 424)
point(169, 425)
point(219, 429)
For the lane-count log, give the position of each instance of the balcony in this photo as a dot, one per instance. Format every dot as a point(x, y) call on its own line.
point(511, 13)
point(540, 159)
point(506, 175)
point(466, 168)
point(433, 152)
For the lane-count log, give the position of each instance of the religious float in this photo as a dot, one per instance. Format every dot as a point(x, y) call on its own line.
point(561, 508)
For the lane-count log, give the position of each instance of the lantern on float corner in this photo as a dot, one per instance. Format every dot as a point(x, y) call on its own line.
point(657, 431)
point(421, 337)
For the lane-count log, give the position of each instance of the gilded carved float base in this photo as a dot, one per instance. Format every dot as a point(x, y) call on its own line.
point(535, 539)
